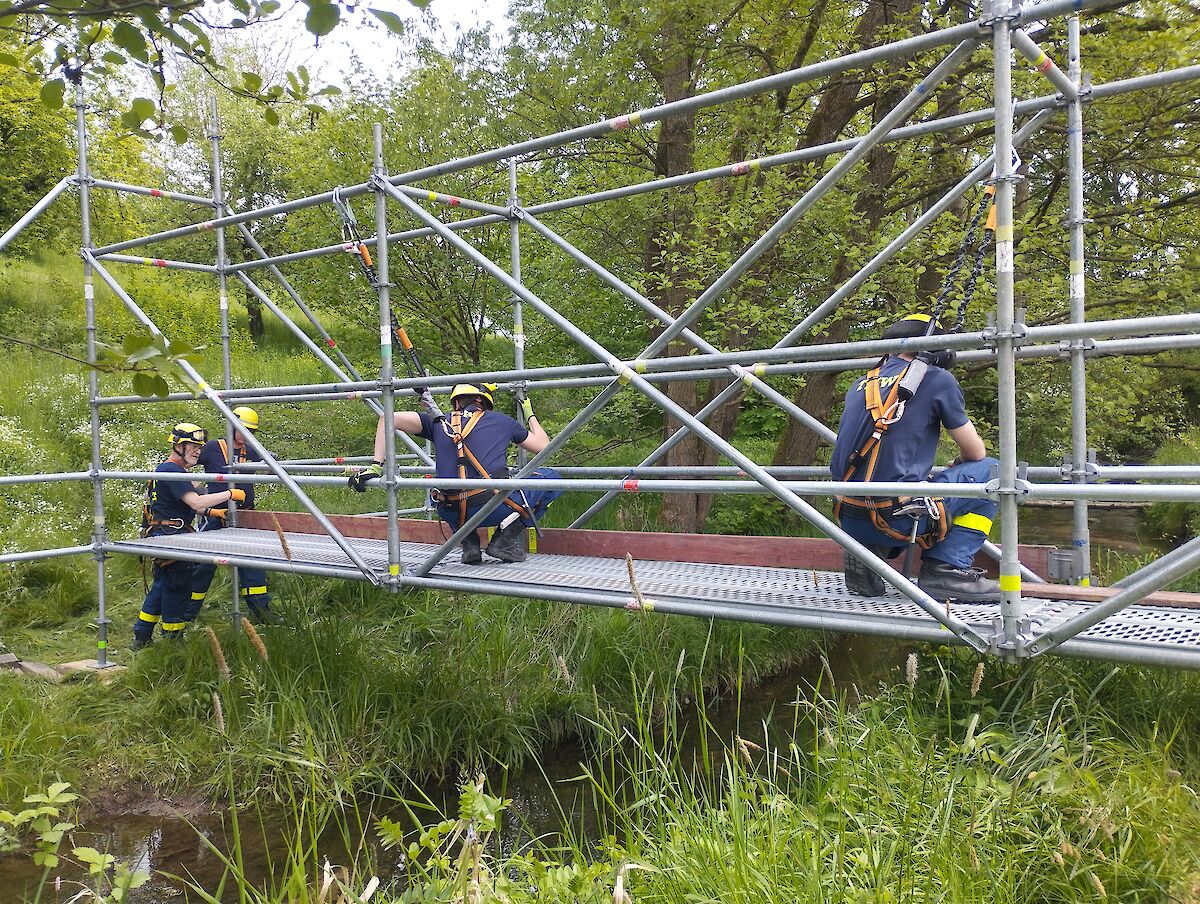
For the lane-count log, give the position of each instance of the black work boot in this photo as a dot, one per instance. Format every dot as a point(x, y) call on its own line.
point(141, 641)
point(470, 549)
point(944, 581)
point(261, 615)
point(508, 545)
point(860, 579)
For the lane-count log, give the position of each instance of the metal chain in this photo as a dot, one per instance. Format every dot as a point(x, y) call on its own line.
point(942, 301)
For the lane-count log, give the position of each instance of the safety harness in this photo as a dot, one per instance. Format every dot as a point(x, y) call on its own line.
point(885, 412)
point(458, 432)
point(168, 526)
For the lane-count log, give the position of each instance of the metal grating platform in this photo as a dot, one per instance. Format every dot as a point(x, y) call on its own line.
point(803, 598)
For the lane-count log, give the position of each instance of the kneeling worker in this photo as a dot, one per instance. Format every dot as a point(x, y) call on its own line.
point(883, 437)
point(215, 458)
point(170, 507)
point(472, 442)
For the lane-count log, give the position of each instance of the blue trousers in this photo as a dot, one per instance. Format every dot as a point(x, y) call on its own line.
point(970, 520)
point(536, 501)
point(166, 601)
point(251, 581)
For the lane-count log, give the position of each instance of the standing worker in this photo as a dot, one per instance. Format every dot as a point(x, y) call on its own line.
point(215, 459)
point(472, 442)
point(890, 436)
point(170, 507)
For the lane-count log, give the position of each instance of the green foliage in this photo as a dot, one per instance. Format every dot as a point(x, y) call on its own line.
point(1177, 521)
point(41, 828)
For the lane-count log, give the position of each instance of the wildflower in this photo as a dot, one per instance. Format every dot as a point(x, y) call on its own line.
point(562, 668)
point(1069, 850)
point(1057, 858)
point(977, 679)
point(828, 670)
point(745, 747)
point(679, 664)
point(1098, 885)
point(218, 715)
point(218, 654)
point(287, 551)
point(910, 670)
point(255, 640)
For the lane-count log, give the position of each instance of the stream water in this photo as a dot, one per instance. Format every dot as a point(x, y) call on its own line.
point(546, 797)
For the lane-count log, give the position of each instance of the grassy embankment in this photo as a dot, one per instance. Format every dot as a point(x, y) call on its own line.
point(1057, 781)
point(366, 686)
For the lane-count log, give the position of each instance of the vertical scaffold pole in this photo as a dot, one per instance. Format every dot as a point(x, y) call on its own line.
point(1003, 13)
point(514, 233)
point(99, 524)
point(386, 365)
point(1075, 222)
point(218, 192)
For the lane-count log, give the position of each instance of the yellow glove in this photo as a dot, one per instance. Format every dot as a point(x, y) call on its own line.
point(527, 408)
point(237, 495)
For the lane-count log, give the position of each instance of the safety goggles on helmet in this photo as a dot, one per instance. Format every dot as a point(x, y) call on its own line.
point(247, 416)
point(188, 433)
point(483, 390)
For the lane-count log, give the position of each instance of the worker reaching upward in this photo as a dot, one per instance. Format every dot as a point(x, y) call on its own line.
point(472, 442)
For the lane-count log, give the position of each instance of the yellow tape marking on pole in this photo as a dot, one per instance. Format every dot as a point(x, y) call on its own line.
point(1010, 583)
point(1004, 233)
point(533, 539)
point(393, 570)
point(1075, 268)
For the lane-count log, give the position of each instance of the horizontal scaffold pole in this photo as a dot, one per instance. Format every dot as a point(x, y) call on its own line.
point(536, 380)
point(969, 31)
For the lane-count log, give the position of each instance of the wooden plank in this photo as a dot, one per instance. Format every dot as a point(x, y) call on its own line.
point(1100, 594)
point(716, 549)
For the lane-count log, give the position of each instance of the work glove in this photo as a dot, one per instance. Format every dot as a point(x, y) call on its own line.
point(427, 402)
point(237, 495)
point(216, 513)
point(358, 482)
point(527, 408)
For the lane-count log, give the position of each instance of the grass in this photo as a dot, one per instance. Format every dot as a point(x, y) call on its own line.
point(1057, 783)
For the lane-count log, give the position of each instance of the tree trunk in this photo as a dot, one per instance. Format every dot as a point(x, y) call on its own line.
point(799, 445)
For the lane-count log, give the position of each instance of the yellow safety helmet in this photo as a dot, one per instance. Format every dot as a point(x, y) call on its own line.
point(484, 390)
point(911, 326)
point(248, 417)
point(188, 433)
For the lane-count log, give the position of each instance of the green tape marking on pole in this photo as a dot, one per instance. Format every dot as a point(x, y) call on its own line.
point(102, 645)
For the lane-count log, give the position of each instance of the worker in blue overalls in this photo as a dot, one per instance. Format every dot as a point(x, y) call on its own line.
point(215, 459)
point(472, 442)
point(170, 508)
point(885, 437)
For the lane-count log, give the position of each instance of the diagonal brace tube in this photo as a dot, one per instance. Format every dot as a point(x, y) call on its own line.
point(914, 99)
point(215, 398)
point(961, 629)
point(33, 212)
point(320, 355)
point(699, 342)
point(1153, 577)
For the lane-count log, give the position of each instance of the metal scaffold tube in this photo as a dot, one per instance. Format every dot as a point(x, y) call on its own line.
point(626, 375)
point(1076, 286)
point(218, 203)
point(213, 397)
point(386, 363)
point(1003, 23)
point(1016, 633)
point(99, 522)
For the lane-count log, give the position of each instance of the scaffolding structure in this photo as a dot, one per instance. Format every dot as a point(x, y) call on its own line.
point(1017, 629)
